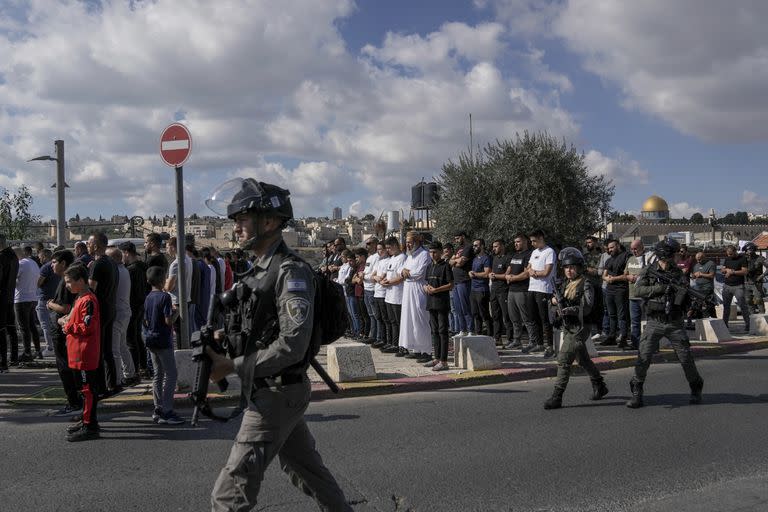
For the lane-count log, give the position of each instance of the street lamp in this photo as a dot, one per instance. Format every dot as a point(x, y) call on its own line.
point(60, 185)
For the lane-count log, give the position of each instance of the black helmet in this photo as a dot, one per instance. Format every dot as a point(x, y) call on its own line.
point(750, 246)
point(571, 256)
point(666, 248)
point(242, 195)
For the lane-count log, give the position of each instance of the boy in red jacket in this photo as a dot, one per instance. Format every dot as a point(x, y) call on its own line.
point(82, 328)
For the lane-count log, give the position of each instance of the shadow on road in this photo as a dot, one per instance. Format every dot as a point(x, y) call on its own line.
point(321, 418)
point(479, 390)
point(672, 401)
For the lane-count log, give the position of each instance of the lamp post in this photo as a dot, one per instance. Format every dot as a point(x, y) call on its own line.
point(60, 185)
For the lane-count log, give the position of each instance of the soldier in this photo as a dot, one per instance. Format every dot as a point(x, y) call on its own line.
point(593, 254)
point(666, 306)
point(276, 310)
point(578, 296)
point(755, 275)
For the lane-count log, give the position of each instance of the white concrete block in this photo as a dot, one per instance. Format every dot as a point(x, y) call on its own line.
point(482, 354)
point(482, 345)
point(713, 330)
point(185, 369)
point(758, 325)
point(350, 362)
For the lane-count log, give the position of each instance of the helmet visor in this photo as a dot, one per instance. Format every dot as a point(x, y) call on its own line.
point(232, 193)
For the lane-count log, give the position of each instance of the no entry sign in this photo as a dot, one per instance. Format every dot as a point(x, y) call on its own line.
point(175, 145)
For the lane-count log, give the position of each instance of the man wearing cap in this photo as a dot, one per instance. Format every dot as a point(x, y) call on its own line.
point(274, 381)
point(461, 263)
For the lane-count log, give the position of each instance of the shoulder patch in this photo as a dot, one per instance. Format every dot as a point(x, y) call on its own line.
point(297, 309)
point(296, 285)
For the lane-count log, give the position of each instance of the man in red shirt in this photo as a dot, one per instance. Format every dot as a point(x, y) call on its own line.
point(82, 328)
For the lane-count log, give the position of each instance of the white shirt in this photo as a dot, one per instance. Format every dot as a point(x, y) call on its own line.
point(540, 258)
point(394, 294)
point(26, 281)
point(344, 272)
point(123, 295)
point(370, 267)
point(380, 291)
point(173, 270)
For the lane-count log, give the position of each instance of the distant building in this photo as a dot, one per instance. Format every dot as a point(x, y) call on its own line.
point(654, 209)
point(336, 213)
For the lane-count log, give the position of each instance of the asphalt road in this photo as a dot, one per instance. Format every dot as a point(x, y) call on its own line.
point(472, 449)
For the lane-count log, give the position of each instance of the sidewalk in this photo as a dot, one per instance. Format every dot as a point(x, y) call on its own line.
point(40, 386)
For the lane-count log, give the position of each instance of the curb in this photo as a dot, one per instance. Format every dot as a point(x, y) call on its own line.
point(445, 381)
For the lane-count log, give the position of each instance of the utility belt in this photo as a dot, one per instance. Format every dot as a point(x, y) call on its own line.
point(278, 380)
point(663, 318)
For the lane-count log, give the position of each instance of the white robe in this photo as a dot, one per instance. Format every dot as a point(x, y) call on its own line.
point(415, 333)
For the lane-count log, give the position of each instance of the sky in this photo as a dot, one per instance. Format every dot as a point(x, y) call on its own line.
point(350, 103)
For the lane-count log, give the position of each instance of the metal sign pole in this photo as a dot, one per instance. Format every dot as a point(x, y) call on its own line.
point(181, 256)
point(60, 185)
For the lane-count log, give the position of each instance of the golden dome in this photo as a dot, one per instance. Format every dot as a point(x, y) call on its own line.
point(655, 204)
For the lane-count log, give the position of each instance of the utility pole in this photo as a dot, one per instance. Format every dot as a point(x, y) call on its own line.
point(60, 185)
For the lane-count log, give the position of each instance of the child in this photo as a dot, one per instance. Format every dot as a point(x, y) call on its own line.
point(159, 316)
point(82, 327)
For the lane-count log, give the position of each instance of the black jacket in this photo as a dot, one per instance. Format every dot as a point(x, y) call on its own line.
point(9, 270)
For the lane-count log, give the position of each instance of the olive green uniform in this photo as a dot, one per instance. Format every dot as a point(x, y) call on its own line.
point(575, 333)
point(754, 295)
point(665, 313)
point(279, 313)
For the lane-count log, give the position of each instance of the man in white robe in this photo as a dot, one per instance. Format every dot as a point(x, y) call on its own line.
point(415, 334)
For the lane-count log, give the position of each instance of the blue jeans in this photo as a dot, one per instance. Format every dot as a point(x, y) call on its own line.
point(371, 308)
point(452, 322)
point(44, 316)
point(462, 305)
point(352, 310)
point(635, 316)
point(164, 381)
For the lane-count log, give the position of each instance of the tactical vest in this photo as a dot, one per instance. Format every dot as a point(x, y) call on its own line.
point(575, 321)
point(255, 323)
point(657, 304)
point(754, 268)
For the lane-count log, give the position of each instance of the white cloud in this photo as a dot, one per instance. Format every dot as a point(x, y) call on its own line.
point(272, 92)
point(680, 210)
point(621, 170)
point(356, 209)
point(700, 66)
point(754, 202)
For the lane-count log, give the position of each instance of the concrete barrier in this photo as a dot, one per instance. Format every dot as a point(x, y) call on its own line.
point(349, 362)
point(185, 369)
point(734, 311)
point(484, 353)
point(758, 325)
point(712, 330)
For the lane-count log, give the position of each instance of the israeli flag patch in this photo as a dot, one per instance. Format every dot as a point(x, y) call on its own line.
point(295, 285)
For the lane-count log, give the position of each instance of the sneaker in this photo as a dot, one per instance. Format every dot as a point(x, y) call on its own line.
point(549, 352)
point(431, 363)
point(170, 418)
point(412, 355)
point(470, 333)
point(68, 411)
point(401, 352)
point(462, 333)
point(3, 368)
point(71, 429)
point(26, 358)
point(156, 415)
point(49, 353)
point(536, 348)
point(439, 367)
point(132, 381)
point(86, 433)
point(39, 355)
point(423, 358)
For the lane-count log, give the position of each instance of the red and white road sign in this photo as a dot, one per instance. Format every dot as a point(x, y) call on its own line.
point(175, 145)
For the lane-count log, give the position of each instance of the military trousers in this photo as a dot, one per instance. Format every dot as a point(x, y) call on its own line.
point(674, 331)
point(274, 426)
point(755, 297)
point(573, 349)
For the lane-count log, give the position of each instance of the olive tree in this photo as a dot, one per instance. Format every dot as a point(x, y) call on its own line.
point(15, 218)
point(533, 182)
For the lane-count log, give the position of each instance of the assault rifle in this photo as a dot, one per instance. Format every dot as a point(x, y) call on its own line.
point(205, 337)
point(561, 312)
point(673, 287)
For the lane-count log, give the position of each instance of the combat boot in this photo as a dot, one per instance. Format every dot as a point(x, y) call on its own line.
point(599, 389)
point(696, 388)
point(556, 400)
point(637, 394)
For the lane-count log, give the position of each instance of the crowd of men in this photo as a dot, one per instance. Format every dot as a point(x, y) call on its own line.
point(506, 293)
point(33, 297)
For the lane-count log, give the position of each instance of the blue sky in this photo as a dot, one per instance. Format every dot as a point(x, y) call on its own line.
point(350, 103)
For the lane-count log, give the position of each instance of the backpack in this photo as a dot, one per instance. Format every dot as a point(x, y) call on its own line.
point(331, 320)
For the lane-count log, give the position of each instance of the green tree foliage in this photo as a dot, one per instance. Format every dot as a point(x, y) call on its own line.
point(535, 181)
point(15, 217)
point(697, 218)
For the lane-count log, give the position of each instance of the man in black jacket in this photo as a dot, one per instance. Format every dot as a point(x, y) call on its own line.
point(9, 269)
point(137, 269)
